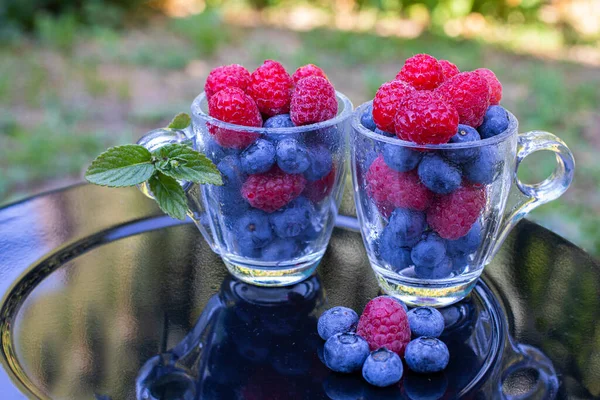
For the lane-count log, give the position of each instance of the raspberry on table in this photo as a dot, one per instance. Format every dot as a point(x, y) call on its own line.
point(469, 93)
point(449, 69)
point(272, 190)
point(233, 75)
point(386, 101)
point(384, 323)
point(336, 320)
point(424, 118)
point(271, 87)
point(313, 100)
point(234, 106)
point(422, 71)
point(495, 85)
point(452, 215)
point(316, 191)
point(399, 189)
point(308, 70)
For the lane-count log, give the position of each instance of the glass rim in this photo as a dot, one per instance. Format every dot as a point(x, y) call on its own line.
point(511, 130)
point(198, 112)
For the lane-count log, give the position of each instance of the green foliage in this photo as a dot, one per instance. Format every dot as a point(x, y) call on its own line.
point(184, 163)
point(169, 195)
point(57, 32)
point(205, 31)
point(120, 166)
point(180, 121)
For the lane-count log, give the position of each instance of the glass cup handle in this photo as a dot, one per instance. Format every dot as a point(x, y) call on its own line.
point(525, 197)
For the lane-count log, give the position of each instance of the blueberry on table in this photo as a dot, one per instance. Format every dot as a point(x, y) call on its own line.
point(407, 226)
point(346, 352)
point(293, 219)
point(292, 156)
point(336, 320)
point(438, 175)
point(494, 122)
point(465, 134)
point(366, 119)
point(258, 158)
point(253, 228)
point(321, 162)
point(426, 355)
point(439, 271)
point(425, 321)
point(401, 158)
point(484, 168)
point(382, 368)
point(279, 121)
point(429, 252)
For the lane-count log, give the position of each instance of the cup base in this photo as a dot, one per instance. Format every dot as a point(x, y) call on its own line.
point(434, 293)
point(273, 274)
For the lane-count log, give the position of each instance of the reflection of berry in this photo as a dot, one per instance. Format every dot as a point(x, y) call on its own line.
point(427, 355)
point(318, 190)
point(313, 101)
point(424, 118)
point(386, 101)
point(400, 189)
point(306, 71)
point(272, 190)
point(225, 76)
point(452, 215)
point(449, 69)
point(383, 323)
point(271, 87)
point(469, 93)
point(493, 82)
point(422, 71)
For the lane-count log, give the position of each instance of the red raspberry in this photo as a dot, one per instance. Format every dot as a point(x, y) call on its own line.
point(449, 69)
point(227, 75)
point(272, 190)
point(495, 85)
point(422, 71)
point(384, 323)
point(318, 190)
point(424, 118)
point(388, 187)
point(386, 101)
point(313, 101)
point(271, 87)
point(306, 71)
point(452, 215)
point(234, 106)
point(469, 93)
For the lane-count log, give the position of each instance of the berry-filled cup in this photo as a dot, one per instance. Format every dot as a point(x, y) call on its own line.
point(434, 162)
point(280, 143)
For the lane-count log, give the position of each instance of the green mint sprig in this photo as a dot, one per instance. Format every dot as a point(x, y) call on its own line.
point(132, 164)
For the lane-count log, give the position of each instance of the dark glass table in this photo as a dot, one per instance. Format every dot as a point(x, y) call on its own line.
point(104, 297)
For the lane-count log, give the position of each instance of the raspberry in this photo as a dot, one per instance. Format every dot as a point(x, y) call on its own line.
point(318, 190)
point(469, 93)
point(385, 103)
point(449, 69)
point(271, 87)
point(422, 71)
point(495, 85)
point(384, 323)
point(272, 190)
point(227, 75)
point(452, 215)
point(306, 71)
point(399, 189)
point(234, 106)
point(424, 118)
point(313, 101)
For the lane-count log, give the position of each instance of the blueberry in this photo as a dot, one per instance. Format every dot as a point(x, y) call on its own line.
point(426, 355)
point(232, 172)
point(429, 252)
point(293, 219)
point(320, 163)
point(425, 321)
point(310, 234)
point(366, 119)
point(460, 262)
point(346, 352)
point(401, 158)
point(215, 152)
point(465, 134)
point(292, 157)
point(484, 168)
point(280, 250)
point(441, 270)
point(253, 228)
point(425, 387)
point(384, 133)
point(407, 226)
point(382, 368)
point(439, 175)
point(466, 244)
point(397, 257)
point(279, 121)
point(336, 320)
point(495, 122)
point(258, 158)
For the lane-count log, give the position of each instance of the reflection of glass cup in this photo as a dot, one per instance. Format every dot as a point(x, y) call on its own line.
point(272, 219)
point(428, 244)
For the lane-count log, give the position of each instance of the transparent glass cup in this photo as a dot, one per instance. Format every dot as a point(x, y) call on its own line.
point(281, 241)
point(430, 248)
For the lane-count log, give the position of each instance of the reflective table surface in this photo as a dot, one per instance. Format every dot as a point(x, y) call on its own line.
point(106, 298)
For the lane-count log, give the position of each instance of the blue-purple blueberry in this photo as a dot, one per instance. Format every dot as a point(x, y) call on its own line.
point(337, 320)
point(426, 355)
point(382, 368)
point(494, 122)
point(292, 156)
point(345, 352)
point(425, 321)
point(258, 158)
point(279, 121)
point(401, 158)
point(429, 252)
point(439, 175)
point(465, 134)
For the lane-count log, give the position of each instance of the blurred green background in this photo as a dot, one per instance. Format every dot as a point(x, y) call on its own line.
point(79, 76)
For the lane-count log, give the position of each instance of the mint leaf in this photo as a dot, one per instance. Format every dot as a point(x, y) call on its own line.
point(120, 166)
point(169, 195)
point(181, 121)
point(184, 163)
